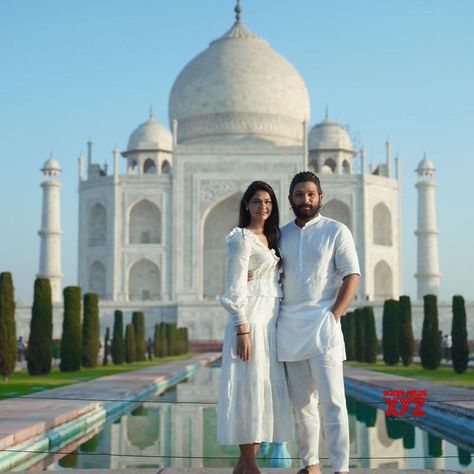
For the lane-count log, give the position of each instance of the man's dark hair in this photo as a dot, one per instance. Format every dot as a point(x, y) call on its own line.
point(271, 227)
point(302, 177)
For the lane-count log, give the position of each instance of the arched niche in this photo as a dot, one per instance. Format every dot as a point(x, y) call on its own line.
point(218, 223)
point(346, 167)
point(97, 225)
point(149, 166)
point(144, 281)
point(165, 167)
point(383, 281)
point(132, 167)
point(331, 163)
point(145, 223)
point(382, 225)
point(338, 210)
point(97, 275)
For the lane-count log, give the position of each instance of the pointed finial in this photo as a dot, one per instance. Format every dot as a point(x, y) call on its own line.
point(150, 111)
point(327, 113)
point(238, 11)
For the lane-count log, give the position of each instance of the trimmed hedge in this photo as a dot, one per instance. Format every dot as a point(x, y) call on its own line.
point(71, 341)
point(360, 335)
point(130, 349)
point(430, 345)
point(90, 330)
point(371, 342)
point(40, 345)
point(391, 332)
point(460, 347)
point(160, 342)
point(8, 350)
point(105, 359)
point(118, 344)
point(138, 321)
point(349, 333)
point(407, 341)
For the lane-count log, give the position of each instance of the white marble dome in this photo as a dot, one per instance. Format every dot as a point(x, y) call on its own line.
point(329, 135)
point(239, 87)
point(150, 135)
point(51, 164)
point(425, 165)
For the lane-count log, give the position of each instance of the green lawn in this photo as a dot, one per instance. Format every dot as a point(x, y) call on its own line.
point(443, 375)
point(22, 383)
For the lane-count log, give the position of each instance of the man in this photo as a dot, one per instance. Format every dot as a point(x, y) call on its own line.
point(321, 276)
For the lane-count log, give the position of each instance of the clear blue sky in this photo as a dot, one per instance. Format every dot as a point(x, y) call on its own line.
point(71, 70)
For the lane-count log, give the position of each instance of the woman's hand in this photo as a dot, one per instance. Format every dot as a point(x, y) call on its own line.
point(244, 346)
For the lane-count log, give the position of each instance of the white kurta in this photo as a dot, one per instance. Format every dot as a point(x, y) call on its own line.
point(253, 404)
point(316, 258)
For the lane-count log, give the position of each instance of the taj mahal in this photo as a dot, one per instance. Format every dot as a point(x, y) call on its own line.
point(151, 229)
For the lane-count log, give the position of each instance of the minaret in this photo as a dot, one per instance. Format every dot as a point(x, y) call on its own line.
point(50, 233)
point(427, 275)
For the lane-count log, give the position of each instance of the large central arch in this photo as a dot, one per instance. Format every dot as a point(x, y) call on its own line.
point(218, 223)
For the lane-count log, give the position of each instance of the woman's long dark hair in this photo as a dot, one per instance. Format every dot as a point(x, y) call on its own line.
point(271, 227)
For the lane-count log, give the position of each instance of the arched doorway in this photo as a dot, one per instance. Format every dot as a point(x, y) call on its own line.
point(219, 222)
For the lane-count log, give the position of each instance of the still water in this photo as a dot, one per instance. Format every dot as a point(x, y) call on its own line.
point(178, 429)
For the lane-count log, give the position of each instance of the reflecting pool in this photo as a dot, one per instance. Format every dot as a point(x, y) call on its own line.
point(178, 429)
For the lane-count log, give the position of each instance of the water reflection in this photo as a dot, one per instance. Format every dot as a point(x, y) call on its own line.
point(180, 431)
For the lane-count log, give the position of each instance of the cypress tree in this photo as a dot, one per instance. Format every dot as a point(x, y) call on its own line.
point(7, 326)
point(407, 341)
point(149, 348)
point(163, 349)
point(105, 359)
point(391, 332)
point(185, 340)
point(130, 350)
point(71, 341)
point(360, 335)
point(138, 321)
point(371, 343)
point(90, 330)
point(349, 332)
point(118, 345)
point(460, 347)
point(40, 345)
point(156, 341)
point(430, 345)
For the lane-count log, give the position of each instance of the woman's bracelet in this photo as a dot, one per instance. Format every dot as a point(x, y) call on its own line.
point(242, 333)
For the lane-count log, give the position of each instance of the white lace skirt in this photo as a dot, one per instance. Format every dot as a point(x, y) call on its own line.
point(253, 404)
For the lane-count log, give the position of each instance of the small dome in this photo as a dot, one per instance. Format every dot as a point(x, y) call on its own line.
point(329, 135)
point(51, 165)
point(239, 87)
point(150, 135)
point(325, 169)
point(425, 165)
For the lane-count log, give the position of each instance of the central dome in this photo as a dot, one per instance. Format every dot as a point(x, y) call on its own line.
point(239, 87)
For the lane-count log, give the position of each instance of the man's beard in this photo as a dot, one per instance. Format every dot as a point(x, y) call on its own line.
point(302, 212)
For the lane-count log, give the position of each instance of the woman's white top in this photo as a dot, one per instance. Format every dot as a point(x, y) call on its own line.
point(247, 253)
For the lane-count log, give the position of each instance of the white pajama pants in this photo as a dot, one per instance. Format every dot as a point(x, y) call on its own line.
point(313, 381)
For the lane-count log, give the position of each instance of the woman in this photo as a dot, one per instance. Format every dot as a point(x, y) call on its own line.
point(253, 403)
